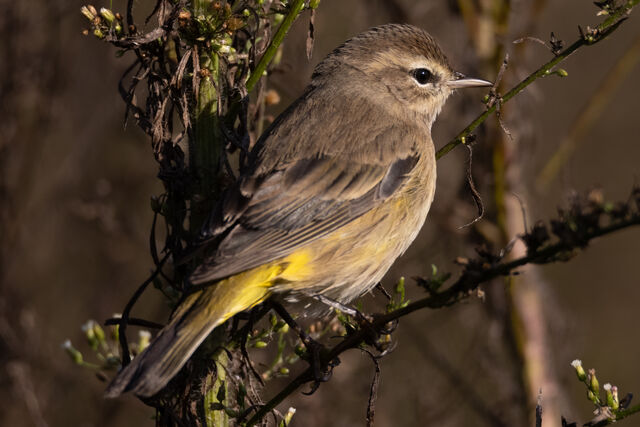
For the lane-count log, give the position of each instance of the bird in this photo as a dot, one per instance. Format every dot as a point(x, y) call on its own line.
point(335, 190)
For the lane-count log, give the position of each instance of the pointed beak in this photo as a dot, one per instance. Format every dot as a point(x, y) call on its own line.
point(461, 81)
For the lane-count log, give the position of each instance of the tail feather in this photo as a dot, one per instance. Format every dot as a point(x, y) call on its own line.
point(192, 322)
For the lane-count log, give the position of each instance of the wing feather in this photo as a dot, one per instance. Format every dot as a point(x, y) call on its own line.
point(299, 191)
point(307, 206)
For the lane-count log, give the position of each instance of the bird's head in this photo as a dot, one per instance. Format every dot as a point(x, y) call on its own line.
point(399, 66)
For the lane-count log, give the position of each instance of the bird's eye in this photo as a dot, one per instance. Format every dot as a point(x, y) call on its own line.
point(422, 75)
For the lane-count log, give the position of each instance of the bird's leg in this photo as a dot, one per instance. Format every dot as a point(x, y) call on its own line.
point(384, 292)
point(321, 371)
point(366, 322)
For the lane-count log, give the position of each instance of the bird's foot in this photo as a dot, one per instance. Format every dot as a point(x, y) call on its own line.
point(315, 354)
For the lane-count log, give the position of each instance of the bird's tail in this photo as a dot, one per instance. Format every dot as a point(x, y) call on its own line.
point(191, 323)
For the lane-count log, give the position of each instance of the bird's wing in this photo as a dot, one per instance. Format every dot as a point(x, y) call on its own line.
point(274, 214)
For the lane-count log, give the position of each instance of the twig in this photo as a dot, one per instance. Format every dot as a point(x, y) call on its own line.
point(539, 410)
point(134, 321)
point(373, 391)
point(124, 321)
point(474, 192)
point(294, 10)
point(592, 37)
point(589, 115)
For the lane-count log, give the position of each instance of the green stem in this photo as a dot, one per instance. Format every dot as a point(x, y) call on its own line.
point(217, 418)
point(207, 142)
point(206, 150)
point(603, 30)
point(623, 414)
point(294, 10)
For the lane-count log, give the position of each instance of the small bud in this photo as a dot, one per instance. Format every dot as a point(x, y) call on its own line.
point(592, 397)
point(144, 338)
point(107, 14)
point(290, 413)
point(577, 365)
point(278, 18)
point(273, 320)
point(87, 13)
point(400, 286)
point(607, 389)
point(234, 24)
point(614, 397)
point(313, 4)
point(97, 329)
point(98, 33)
point(562, 72)
point(260, 344)
point(246, 13)
point(594, 385)
point(115, 329)
point(271, 97)
point(75, 355)
point(284, 371)
point(92, 339)
point(461, 261)
point(285, 328)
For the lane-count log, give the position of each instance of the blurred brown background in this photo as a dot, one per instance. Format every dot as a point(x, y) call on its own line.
point(74, 206)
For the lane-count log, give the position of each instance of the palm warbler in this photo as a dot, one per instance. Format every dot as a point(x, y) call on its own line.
point(337, 189)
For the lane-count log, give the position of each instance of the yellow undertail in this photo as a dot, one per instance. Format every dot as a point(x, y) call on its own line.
point(195, 318)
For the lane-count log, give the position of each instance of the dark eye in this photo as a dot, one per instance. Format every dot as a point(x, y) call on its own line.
point(422, 75)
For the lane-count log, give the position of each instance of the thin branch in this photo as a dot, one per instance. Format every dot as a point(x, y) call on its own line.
point(294, 10)
point(592, 37)
point(124, 320)
point(592, 110)
point(373, 391)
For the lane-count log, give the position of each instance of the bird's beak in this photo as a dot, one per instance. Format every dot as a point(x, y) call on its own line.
point(461, 81)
